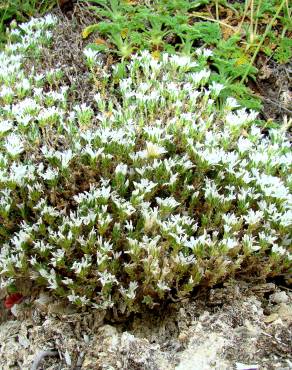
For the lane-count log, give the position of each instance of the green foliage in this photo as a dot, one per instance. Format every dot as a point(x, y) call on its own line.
point(167, 26)
point(21, 10)
point(231, 63)
point(173, 26)
point(179, 6)
point(283, 53)
point(274, 16)
point(132, 201)
point(209, 32)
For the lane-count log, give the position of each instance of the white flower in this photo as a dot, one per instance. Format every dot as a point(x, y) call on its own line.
point(6, 91)
point(253, 217)
point(249, 242)
point(90, 54)
point(104, 219)
point(163, 286)
point(5, 126)
point(57, 96)
point(229, 243)
point(24, 120)
point(83, 300)
point(50, 113)
point(244, 145)
point(24, 107)
point(240, 117)
point(33, 260)
point(172, 178)
point(67, 281)
point(64, 157)
point(97, 98)
point(259, 157)
point(268, 238)
point(107, 278)
point(121, 168)
point(181, 61)
point(129, 225)
point(49, 210)
point(73, 297)
point(230, 219)
point(211, 190)
point(82, 108)
point(42, 246)
point(19, 172)
point(231, 103)
point(82, 265)
point(272, 186)
point(43, 299)
point(24, 84)
point(205, 52)
point(154, 150)
point(51, 277)
point(200, 76)
point(104, 192)
point(150, 216)
point(50, 19)
point(145, 185)
point(286, 218)
point(50, 174)
point(93, 154)
point(14, 144)
point(125, 84)
point(20, 238)
point(169, 202)
point(57, 256)
point(181, 259)
point(278, 250)
point(130, 292)
point(216, 87)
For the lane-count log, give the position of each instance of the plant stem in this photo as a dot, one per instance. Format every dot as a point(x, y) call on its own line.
point(199, 15)
point(251, 36)
point(217, 10)
point(268, 28)
point(244, 14)
point(257, 15)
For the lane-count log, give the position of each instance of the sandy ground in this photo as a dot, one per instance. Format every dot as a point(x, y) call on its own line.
point(237, 326)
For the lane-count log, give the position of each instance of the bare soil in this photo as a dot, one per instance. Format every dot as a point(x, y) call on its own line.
point(236, 326)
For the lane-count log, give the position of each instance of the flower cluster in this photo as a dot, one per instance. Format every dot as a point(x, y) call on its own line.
point(166, 187)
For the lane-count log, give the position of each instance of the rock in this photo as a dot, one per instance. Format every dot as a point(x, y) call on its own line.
point(271, 318)
point(23, 341)
point(279, 297)
point(183, 336)
point(106, 331)
point(240, 366)
point(285, 312)
point(204, 355)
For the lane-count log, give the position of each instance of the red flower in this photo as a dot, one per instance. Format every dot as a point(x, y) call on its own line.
point(13, 299)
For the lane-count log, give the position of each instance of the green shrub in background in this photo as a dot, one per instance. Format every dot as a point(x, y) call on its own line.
point(21, 10)
point(236, 32)
point(130, 199)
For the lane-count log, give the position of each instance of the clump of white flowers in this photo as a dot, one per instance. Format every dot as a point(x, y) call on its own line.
point(162, 189)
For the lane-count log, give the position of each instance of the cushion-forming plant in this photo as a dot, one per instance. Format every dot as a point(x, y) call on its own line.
point(132, 199)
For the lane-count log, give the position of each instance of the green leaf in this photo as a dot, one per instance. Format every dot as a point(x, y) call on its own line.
point(209, 32)
point(284, 51)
